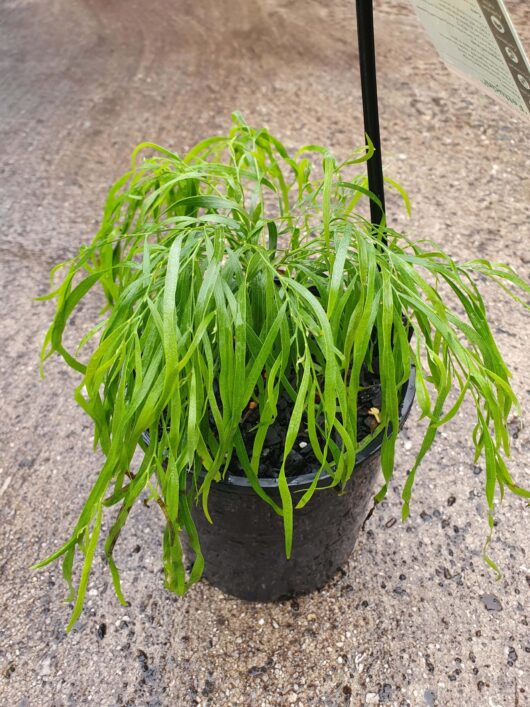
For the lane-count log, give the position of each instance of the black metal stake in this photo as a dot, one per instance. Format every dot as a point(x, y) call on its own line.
point(365, 37)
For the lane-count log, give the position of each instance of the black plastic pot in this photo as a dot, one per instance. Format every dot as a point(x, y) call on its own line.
point(244, 548)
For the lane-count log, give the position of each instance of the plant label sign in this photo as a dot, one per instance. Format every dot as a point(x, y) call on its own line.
point(476, 38)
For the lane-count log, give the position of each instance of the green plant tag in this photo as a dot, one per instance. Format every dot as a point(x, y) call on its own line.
point(476, 39)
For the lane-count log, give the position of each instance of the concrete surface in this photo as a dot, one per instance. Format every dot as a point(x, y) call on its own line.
point(415, 618)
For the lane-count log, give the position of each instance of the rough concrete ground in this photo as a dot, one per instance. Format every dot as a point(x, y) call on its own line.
point(416, 617)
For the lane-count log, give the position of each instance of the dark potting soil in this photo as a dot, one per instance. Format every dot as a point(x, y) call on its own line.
point(301, 459)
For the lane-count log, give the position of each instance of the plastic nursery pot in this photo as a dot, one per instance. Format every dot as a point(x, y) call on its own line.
point(244, 549)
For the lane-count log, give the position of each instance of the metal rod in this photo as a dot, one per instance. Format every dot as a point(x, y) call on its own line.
point(365, 37)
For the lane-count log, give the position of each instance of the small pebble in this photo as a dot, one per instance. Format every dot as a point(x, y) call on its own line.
point(512, 655)
point(491, 602)
point(46, 667)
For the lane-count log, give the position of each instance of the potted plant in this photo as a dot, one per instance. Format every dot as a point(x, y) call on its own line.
point(262, 343)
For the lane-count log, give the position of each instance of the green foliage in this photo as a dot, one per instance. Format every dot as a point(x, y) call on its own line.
point(237, 273)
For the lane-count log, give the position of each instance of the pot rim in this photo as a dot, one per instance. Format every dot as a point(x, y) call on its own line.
point(231, 481)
